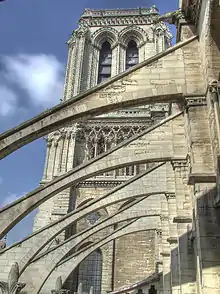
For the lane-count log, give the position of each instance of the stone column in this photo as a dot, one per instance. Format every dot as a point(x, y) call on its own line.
point(70, 69)
point(115, 60)
point(214, 97)
point(207, 235)
point(61, 200)
point(184, 224)
point(56, 156)
point(49, 144)
point(174, 250)
point(51, 157)
point(93, 77)
point(122, 58)
point(159, 42)
point(91, 53)
point(61, 149)
point(141, 52)
point(80, 43)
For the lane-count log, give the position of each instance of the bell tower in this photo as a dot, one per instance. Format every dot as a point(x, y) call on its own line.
point(105, 44)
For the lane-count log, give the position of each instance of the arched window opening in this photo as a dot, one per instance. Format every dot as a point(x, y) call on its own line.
point(100, 145)
point(105, 62)
point(90, 272)
point(131, 54)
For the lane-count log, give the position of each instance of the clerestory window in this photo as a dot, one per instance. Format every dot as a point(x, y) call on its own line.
point(131, 54)
point(105, 62)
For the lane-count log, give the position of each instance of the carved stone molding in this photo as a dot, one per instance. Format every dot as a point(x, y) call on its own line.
point(12, 286)
point(170, 196)
point(195, 178)
point(165, 253)
point(179, 164)
point(159, 232)
point(164, 218)
point(100, 183)
point(172, 240)
point(214, 89)
point(182, 219)
point(195, 101)
point(107, 33)
point(115, 17)
point(133, 31)
point(161, 29)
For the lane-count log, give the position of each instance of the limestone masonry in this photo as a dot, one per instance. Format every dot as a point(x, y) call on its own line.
point(129, 199)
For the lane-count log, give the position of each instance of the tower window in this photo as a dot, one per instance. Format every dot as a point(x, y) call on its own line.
point(105, 62)
point(131, 54)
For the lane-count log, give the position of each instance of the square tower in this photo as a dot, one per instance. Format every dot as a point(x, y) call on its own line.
point(105, 44)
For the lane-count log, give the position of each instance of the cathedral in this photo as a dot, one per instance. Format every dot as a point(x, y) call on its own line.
point(107, 43)
point(129, 199)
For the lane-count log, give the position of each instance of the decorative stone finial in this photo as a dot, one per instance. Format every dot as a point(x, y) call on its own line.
point(12, 286)
point(80, 290)
point(58, 287)
point(91, 290)
point(58, 283)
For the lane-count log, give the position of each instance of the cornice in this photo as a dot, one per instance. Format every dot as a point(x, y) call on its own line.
point(119, 12)
point(117, 20)
point(103, 183)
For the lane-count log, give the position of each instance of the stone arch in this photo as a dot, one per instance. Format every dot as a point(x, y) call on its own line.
point(126, 203)
point(107, 161)
point(83, 105)
point(84, 202)
point(83, 245)
point(162, 29)
point(133, 33)
point(68, 264)
point(66, 248)
point(108, 34)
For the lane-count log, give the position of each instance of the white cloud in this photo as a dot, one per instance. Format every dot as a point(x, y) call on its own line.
point(8, 101)
point(9, 199)
point(41, 76)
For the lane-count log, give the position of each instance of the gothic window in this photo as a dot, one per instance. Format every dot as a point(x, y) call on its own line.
point(100, 145)
point(105, 62)
point(90, 272)
point(131, 54)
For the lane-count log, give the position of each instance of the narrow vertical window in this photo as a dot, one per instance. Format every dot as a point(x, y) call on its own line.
point(131, 54)
point(90, 272)
point(105, 62)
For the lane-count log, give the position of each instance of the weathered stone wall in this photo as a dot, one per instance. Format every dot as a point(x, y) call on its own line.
point(187, 246)
point(139, 251)
point(135, 258)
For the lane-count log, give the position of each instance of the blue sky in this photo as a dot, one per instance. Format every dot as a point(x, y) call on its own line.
point(33, 55)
